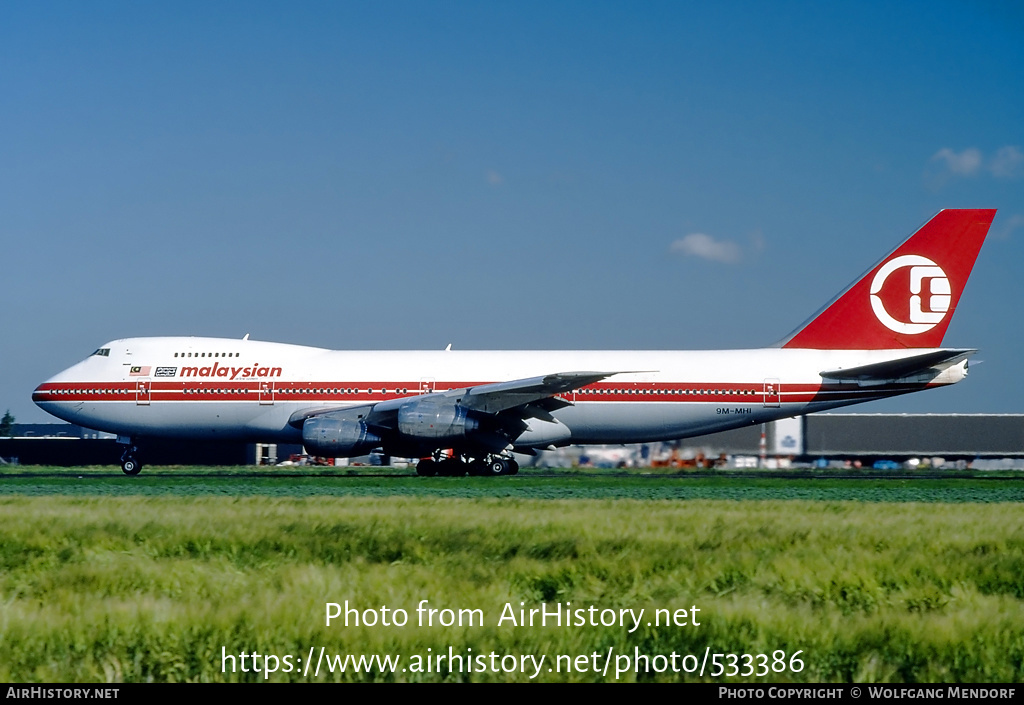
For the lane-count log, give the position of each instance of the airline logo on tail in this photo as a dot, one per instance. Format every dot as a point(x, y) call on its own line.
point(906, 300)
point(922, 270)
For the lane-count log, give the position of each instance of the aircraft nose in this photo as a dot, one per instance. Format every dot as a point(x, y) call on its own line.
point(42, 392)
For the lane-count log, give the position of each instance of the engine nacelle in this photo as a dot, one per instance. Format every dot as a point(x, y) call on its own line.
point(540, 433)
point(337, 438)
point(435, 420)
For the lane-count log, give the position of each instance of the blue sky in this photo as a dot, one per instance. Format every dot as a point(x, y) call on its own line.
point(496, 175)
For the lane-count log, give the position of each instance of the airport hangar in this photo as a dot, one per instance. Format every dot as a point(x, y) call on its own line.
point(820, 439)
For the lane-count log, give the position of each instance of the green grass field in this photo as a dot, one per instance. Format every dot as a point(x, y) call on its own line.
point(107, 578)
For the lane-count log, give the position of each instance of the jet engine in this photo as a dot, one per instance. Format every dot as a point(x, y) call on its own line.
point(436, 419)
point(337, 438)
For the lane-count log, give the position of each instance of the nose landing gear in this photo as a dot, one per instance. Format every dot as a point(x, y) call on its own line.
point(130, 464)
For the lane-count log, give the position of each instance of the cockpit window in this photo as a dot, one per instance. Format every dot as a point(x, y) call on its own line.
point(103, 352)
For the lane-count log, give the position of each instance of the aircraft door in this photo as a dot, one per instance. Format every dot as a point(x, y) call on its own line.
point(426, 385)
point(772, 393)
point(267, 393)
point(143, 390)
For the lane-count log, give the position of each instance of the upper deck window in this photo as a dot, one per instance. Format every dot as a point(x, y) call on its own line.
point(103, 352)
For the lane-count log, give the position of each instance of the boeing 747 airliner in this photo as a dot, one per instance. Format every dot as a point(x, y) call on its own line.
point(467, 411)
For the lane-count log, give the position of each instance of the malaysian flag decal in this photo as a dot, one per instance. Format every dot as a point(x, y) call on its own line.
point(139, 372)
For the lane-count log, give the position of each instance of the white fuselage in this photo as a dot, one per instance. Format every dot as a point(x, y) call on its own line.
point(211, 388)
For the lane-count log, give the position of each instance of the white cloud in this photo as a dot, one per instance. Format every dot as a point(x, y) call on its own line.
point(1007, 163)
point(1013, 223)
point(966, 163)
point(707, 247)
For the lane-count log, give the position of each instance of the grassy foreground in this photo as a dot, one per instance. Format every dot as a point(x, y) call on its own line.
point(136, 588)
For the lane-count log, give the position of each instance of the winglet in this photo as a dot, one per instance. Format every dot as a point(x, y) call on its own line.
point(906, 300)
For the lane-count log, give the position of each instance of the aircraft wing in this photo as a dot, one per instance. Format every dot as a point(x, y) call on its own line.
point(901, 367)
point(500, 396)
point(485, 398)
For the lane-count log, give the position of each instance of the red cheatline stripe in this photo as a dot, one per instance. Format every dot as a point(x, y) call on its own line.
point(731, 393)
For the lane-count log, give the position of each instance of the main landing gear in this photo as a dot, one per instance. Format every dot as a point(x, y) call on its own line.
point(456, 467)
point(130, 464)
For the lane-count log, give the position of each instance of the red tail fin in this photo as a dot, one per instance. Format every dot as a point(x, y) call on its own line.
point(907, 299)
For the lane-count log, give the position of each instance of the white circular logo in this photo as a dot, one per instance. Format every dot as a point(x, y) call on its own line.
point(939, 294)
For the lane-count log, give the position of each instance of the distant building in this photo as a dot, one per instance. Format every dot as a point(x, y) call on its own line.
point(55, 430)
point(67, 445)
point(962, 436)
point(823, 437)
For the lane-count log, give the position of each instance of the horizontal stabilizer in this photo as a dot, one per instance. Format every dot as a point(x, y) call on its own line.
point(901, 367)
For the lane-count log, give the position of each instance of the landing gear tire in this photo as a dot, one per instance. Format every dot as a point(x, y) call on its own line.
point(451, 468)
point(130, 464)
point(426, 467)
point(501, 466)
point(478, 468)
